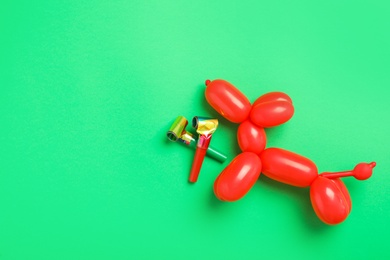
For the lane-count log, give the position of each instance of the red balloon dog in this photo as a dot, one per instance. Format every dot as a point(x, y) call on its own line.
point(329, 196)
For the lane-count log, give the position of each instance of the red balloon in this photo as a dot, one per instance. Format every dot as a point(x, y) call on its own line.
point(363, 171)
point(270, 114)
point(273, 96)
point(227, 100)
point(251, 138)
point(272, 109)
point(330, 200)
point(288, 167)
point(238, 177)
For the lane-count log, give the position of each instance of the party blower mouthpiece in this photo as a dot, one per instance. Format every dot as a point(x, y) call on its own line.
point(205, 127)
point(177, 133)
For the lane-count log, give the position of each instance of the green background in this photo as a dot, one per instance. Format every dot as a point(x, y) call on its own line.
point(89, 89)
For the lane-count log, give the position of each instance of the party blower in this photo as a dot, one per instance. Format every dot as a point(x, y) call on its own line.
point(177, 133)
point(205, 127)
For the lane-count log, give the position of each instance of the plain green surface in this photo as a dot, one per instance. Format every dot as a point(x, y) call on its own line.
point(89, 89)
